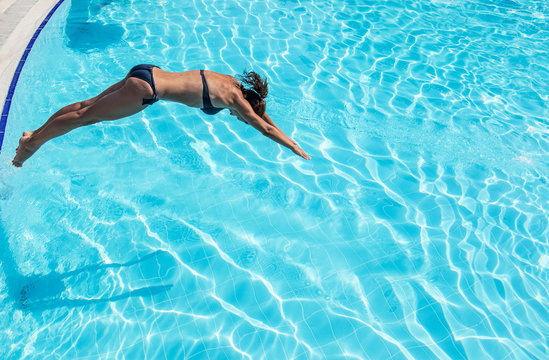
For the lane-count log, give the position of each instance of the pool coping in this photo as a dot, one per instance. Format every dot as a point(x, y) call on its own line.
point(19, 44)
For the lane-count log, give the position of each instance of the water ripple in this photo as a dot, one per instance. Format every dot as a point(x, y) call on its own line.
point(417, 231)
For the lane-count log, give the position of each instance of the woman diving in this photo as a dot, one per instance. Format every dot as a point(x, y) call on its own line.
point(146, 84)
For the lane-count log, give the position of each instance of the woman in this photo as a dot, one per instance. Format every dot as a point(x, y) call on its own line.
point(146, 84)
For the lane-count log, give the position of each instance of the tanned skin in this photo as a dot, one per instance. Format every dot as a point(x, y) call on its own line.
point(125, 98)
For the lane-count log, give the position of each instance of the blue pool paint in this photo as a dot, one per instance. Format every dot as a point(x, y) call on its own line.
point(418, 230)
point(13, 84)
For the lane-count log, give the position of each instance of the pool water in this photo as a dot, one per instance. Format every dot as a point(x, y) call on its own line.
point(419, 229)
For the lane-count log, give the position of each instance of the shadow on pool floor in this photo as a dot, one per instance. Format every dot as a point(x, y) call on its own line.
point(85, 34)
point(43, 292)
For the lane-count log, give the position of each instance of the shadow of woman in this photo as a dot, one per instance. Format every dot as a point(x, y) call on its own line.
point(85, 35)
point(41, 305)
point(42, 292)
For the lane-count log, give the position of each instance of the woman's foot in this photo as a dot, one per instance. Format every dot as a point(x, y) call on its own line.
point(26, 148)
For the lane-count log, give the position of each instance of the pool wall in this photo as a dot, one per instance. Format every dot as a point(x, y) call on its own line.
point(22, 22)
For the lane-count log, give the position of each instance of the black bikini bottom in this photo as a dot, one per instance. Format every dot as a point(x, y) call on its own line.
point(144, 72)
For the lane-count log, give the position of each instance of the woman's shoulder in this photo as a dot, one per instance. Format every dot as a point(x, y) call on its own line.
point(228, 84)
point(221, 76)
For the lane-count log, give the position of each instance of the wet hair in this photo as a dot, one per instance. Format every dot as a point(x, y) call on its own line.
point(254, 89)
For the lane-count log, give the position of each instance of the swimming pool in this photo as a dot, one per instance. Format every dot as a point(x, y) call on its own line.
point(418, 229)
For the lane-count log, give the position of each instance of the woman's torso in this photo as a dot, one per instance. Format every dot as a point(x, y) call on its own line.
point(186, 87)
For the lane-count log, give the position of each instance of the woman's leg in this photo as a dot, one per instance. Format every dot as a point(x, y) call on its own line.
point(117, 104)
point(82, 104)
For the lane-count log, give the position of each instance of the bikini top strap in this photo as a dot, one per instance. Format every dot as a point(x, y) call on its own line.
point(206, 102)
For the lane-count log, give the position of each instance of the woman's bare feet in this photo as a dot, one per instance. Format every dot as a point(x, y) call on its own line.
point(26, 148)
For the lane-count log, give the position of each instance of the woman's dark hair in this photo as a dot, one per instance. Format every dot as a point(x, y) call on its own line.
point(254, 89)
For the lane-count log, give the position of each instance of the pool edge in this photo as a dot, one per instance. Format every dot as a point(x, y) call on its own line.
point(33, 17)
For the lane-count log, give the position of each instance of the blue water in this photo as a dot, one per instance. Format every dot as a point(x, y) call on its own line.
point(417, 231)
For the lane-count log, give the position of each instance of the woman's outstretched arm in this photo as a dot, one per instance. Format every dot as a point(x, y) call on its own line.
point(267, 127)
point(269, 121)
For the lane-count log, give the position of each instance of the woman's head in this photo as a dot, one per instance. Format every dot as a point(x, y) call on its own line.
point(255, 90)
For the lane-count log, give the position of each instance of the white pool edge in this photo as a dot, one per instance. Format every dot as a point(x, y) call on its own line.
point(13, 48)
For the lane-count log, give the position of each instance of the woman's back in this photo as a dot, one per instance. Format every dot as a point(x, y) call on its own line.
point(186, 87)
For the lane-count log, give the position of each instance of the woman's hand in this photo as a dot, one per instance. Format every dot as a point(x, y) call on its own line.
point(298, 151)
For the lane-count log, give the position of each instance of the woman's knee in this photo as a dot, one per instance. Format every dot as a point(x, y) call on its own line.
point(86, 103)
point(83, 117)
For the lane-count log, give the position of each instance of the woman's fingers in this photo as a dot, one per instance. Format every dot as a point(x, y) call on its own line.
point(300, 152)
